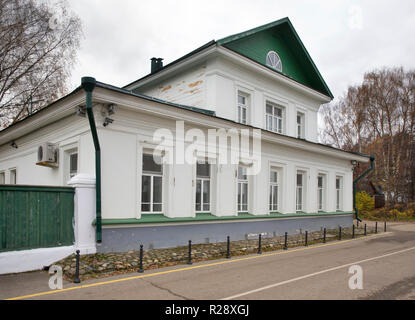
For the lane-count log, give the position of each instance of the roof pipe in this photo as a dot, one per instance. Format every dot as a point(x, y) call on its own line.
point(372, 162)
point(88, 84)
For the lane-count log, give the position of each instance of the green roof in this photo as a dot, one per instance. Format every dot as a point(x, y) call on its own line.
point(281, 37)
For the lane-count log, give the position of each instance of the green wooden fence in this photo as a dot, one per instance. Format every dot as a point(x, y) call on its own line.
point(35, 217)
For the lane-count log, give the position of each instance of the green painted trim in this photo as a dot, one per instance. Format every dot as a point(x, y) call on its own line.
point(206, 217)
point(89, 84)
point(226, 41)
point(36, 188)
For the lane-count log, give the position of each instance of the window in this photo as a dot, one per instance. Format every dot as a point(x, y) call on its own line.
point(320, 193)
point(300, 192)
point(242, 108)
point(13, 176)
point(73, 164)
point(2, 177)
point(300, 125)
point(152, 185)
point(274, 61)
point(274, 116)
point(339, 193)
point(242, 189)
point(202, 187)
point(273, 191)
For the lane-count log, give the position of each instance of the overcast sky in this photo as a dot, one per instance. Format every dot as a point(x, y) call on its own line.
point(344, 38)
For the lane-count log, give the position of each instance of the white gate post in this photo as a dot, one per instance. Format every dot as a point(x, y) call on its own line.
point(84, 207)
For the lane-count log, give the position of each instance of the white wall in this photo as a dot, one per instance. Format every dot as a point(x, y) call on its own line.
point(71, 132)
point(122, 143)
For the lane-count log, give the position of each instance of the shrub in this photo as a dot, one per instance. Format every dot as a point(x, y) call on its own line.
point(364, 202)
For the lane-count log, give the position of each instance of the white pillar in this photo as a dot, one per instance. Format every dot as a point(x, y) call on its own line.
point(85, 214)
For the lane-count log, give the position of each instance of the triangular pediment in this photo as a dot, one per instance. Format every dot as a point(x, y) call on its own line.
point(280, 37)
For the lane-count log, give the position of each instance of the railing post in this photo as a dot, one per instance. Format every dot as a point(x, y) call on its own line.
point(260, 244)
point(77, 280)
point(228, 248)
point(140, 268)
point(189, 259)
point(286, 241)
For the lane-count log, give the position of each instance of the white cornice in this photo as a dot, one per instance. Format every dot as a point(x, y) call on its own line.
point(166, 111)
point(53, 113)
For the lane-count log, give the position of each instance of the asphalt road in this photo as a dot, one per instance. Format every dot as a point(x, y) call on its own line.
point(316, 272)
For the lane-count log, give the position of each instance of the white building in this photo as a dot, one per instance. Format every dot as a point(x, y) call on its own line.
point(262, 78)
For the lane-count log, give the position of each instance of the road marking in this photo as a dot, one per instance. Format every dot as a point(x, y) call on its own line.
point(314, 274)
point(195, 267)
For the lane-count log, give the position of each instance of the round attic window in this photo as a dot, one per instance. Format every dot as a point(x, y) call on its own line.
point(274, 61)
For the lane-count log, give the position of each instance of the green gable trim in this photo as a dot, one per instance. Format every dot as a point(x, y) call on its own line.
point(281, 37)
point(207, 217)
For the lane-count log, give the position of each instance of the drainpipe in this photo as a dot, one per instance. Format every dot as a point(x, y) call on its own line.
point(89, 83)
point(372, 161)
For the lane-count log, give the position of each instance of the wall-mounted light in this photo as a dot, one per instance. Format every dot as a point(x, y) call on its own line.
point(107, 121)
point(14, 145)
point(81, 111)
point(354, 163)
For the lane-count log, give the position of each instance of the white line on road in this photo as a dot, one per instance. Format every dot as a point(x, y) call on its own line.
point(314, 274)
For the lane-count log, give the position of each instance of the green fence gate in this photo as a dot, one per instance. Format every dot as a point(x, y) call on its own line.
point(35, 217)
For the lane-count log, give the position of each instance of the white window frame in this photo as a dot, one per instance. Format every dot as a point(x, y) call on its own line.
point(274, 64)
point(13, 173)
point(300, 205)
point(3, 175)
point(241, 107)
point(321, 193)
point(70, 154)
point(152, 175)
point(339, 194)
point(202, 180)
point(275, 119)
point(271, 189)
point(301, 125)
point(240, 184)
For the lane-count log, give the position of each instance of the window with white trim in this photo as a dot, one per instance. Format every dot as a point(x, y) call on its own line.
point(300, 191)
point(203, 173)
point(152, 185)
point(242, 189)
point(13, 176)
point(320, 192)
point(274, 61)
point(73, 164)
point(274, 118)
point(243, 105)
point(339, 193)
point(2, 177)
point(273, 191)
point(300, 125)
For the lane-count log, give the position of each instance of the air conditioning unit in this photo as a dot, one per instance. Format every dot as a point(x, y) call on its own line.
point(48, 155)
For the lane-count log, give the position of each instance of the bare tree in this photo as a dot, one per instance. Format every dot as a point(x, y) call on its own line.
point(37, 50)
point(377, 117)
